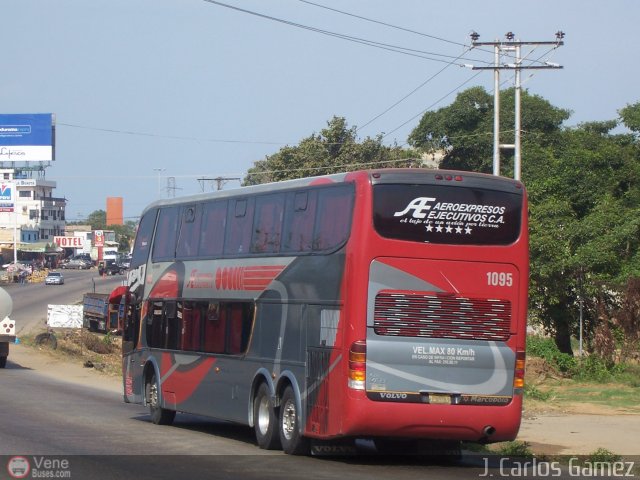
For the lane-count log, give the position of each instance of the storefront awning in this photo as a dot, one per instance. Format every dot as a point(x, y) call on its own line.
point(38, 247)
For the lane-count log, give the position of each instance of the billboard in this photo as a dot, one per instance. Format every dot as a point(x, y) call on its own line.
point(7, 196)
point(27, 137)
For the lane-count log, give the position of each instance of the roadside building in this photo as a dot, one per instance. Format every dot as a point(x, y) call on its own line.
point(33, 213)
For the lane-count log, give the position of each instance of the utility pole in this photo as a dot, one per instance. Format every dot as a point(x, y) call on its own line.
point(171, 187)
point(514, 50)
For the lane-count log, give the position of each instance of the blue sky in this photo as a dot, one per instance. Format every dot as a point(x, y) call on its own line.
point(149, 89)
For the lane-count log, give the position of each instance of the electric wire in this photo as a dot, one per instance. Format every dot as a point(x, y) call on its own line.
point(385, 24)
point(410, 93)
point(432, 105)
point(372, 43)
point(172, 137)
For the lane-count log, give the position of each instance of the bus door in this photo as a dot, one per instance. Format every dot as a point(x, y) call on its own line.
point(131, 362)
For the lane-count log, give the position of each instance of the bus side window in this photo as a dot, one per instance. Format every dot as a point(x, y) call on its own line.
point(239, 226)
point(215, 328)
point(212, 230)
point(131, 328)
point(164, 243)
point(189, 235)
point(155, 325)
point(334, 217)
point(268, 224)
point(188, 314)
point(235, 332)
point(173, 324)
point(298, 223)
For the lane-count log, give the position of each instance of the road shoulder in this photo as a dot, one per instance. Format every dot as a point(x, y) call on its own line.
point(21, 356)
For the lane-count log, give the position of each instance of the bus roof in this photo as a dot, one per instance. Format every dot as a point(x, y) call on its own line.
point(384, 175)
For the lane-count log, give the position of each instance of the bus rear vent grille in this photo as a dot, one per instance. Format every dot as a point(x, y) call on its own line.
point(441, 315)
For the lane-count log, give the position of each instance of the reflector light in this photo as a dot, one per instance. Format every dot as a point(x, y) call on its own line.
point(518, 378)
point(357, 365)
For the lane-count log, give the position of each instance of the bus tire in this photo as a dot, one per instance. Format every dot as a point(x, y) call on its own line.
point(292, 441)
point(265, 419)
point(159, 415)
point(3, 362)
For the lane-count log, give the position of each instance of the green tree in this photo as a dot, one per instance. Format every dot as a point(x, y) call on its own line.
point(584, 223)
point(335, 149)
point(464, 129)
point(125, 235)
point(97, 219)
point(584, 192)
point(630, 116)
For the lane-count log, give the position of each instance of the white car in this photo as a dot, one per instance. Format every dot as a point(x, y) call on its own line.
point(54, 278)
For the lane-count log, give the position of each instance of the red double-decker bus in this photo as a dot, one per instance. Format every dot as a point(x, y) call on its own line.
point(384, 304)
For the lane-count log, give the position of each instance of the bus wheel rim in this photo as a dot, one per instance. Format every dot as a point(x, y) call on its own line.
point(289, 420)
point(263, 415)
point(153, 396)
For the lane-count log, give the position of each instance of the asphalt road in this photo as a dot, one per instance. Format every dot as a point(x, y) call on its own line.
point(88, 432)
point(102, 437)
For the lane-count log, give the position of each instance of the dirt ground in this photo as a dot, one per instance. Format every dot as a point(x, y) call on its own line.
point(576, 429)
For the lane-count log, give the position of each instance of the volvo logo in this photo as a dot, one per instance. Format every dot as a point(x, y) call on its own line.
point(393, 396)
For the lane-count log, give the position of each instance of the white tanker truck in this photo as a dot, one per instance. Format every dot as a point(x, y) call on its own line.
point(7, 326)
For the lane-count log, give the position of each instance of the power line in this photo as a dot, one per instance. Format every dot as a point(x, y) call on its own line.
point(384, 23)
point(538, 60)
point(172, 137)
point(372, 43)
point(410, 93)
point(432, 105)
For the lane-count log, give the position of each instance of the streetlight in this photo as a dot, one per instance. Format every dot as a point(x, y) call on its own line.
point(159, 170)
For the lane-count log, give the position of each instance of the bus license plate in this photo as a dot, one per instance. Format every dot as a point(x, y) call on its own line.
point(440, 399)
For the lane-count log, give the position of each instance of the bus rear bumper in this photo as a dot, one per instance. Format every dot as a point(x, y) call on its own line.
point(475, 423)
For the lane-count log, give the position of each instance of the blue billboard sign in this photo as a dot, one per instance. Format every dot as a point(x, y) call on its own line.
point(7, 200)
point(27, 137)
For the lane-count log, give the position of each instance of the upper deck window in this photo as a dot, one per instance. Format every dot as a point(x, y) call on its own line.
point(164, 243)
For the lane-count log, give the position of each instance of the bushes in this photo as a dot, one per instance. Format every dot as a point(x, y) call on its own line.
point(589, 368)
point(546, 349)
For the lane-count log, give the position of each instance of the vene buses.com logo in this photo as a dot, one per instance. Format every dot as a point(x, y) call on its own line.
point(18, 467)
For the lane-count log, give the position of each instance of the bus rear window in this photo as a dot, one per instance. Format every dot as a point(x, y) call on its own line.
point(447, 214)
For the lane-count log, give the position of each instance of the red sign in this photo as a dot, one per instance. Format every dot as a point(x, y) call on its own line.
point(69, 242)
point(98, 238)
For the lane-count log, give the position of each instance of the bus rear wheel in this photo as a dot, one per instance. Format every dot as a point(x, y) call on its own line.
point(265, 420)
point(292, 441)
point(159, 415)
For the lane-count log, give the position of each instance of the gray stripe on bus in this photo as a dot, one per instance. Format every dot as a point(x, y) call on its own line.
point(497, 381)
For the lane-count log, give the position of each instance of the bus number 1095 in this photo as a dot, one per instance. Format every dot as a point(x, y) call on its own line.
point(499, 279)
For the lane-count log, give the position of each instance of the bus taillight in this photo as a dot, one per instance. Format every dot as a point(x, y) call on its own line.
point(357, 365)
point(518, 378)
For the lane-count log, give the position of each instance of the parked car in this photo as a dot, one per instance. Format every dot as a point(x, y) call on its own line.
point(111, 267)
point(86, 257)
point(77, 264)
point(54, 278)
